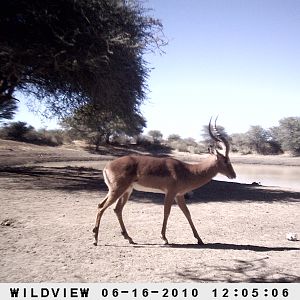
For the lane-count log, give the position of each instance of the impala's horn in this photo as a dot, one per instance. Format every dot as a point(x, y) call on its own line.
point(217, 136)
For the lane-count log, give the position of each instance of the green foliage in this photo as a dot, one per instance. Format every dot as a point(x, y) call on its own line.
point(156, 136)
point(21, 131)
point(175, 142)
point(54, 137)
point(285, 137)
point(16, 131)
point(7, 108)
point(173, 138)
point(287, 134)
point(257, 139)
point(207, 140)
point(68, 53)
point(99, 126)
point(240, 143)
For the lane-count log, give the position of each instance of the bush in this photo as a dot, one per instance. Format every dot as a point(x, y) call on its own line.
point(21, 131)
point(51, 137)
point(287, 134)
point(257, 140)
point(183, 145)
point(143, 140)
point(179, 146)
point(16, 131)
point(156, 136)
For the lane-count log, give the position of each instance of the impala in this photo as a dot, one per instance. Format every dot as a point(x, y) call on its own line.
point(166, 175)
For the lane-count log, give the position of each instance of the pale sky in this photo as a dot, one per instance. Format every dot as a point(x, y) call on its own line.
point(239, 59)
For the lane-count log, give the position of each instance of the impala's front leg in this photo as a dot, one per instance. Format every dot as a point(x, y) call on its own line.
point(181, 203)
point(169, 198)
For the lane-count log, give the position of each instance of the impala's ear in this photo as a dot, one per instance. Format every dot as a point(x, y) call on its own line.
point(219, 153)
point(212, 150)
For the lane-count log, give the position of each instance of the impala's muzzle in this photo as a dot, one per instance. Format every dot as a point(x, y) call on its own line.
point(232, 174)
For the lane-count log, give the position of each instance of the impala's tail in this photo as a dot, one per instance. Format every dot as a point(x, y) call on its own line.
point(106, 179)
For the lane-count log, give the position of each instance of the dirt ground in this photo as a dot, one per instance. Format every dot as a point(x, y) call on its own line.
point(48, 202)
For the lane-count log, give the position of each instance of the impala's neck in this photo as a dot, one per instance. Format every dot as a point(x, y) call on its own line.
point(204, 171)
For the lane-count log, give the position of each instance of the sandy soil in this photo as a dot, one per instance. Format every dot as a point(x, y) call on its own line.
point(48, 202)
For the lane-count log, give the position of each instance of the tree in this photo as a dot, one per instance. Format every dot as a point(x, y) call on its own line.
point(7, 109)
point(173, 138)
point(99, 125)
point(156, 136)
point(240, 143)
point(257, 139)
point(16, 131)
point(207, 140)
point(69, 53)
point(287, 134)
point(190, 141)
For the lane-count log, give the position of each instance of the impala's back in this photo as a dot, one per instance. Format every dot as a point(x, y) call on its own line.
point(156, 174)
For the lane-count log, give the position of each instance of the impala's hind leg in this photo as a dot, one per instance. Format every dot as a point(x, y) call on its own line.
point(112, 196)
point(119, 209)
point(99, 215)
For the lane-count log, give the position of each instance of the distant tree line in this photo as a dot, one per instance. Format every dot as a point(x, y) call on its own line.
point(107, 129)
point(275, 140)
point(23, 132)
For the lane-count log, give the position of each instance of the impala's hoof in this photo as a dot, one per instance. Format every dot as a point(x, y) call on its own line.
point(200, 242)
point(163, 237)
point(132, 242)
point(95, 243)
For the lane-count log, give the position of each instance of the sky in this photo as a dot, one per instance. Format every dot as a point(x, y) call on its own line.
point(239, 59)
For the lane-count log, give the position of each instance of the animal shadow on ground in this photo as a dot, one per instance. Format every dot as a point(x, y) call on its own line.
point(256, 270)
point(74, 179)
point(213, 246)
point(48, 178)
point(225, 246)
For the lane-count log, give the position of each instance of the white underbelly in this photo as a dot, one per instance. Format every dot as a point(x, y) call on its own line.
point(142, 188)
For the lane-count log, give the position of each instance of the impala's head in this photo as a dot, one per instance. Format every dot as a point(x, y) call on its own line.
point(223, 161)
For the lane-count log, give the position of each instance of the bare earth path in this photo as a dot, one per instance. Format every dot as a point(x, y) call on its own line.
point(48, 211)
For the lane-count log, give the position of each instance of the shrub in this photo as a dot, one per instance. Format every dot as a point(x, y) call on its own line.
point(21, 131)
point(16, 131)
